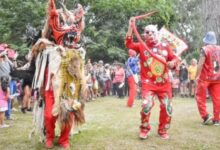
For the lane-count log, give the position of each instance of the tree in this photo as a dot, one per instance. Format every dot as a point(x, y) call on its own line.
point(211, 16)
point(15, 15)
point(188, 25)
point(106, 22)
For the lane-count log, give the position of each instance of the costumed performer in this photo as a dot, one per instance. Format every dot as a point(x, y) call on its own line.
point(156, 58)
point(208, 78)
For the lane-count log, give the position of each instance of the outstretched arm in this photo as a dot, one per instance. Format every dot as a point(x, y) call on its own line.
point(130, 31)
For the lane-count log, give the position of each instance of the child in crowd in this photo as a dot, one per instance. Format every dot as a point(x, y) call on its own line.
point(95, 85)
point(89, 85)
point(4, 96)
point(175, 84)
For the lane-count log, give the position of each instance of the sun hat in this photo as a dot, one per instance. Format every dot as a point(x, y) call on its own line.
point(210, 38)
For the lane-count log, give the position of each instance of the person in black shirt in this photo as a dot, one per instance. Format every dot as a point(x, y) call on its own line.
point(183, 76)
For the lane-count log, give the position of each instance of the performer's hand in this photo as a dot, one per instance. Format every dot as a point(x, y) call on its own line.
point(132, 19)
point(129, 33)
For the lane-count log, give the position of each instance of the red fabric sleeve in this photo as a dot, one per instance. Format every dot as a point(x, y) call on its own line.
point(171, 55)
point(130, 44)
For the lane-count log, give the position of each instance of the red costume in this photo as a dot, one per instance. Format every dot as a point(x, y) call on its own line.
point(209, 79)
point(155, 82)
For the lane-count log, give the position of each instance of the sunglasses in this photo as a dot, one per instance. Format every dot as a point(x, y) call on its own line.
point(148, 32)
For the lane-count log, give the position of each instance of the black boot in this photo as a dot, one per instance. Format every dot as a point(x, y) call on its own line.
point(29, 109)
point(23, 110)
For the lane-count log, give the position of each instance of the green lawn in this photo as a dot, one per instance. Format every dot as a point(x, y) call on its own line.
point(112, 126)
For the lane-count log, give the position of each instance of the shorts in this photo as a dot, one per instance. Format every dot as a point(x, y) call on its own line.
point(3, 109)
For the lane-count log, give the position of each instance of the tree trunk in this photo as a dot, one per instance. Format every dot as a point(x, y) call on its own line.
point(211, 16)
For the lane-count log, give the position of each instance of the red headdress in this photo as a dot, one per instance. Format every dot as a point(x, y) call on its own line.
point(67, 36)
point(132, 53)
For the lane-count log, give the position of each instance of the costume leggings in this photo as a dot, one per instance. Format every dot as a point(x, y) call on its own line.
point(165, 109)
point(50, 121)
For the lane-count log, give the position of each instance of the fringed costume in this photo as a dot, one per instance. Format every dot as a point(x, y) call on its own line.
point(59, 76)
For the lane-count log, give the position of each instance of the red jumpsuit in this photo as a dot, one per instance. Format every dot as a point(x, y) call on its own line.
point(209, 79)
point(152, 85)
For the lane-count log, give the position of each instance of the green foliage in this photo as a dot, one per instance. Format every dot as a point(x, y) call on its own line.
point(188, 24)
point(106, 22)
point(14, 16)
point(194, 54)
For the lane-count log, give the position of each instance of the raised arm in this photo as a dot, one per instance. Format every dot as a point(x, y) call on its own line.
point(129, 43)
point(130, 31)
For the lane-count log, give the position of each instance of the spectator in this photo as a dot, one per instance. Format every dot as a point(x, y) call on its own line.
point(107, 80)
point(26, 85)
point(192, 74)
point(119, 79)
point(6, 66)
point(175, 84)
point(132, 75)
point(100, 77)
point(183, 76)
point(89, 84)
point(94, 80)
point(4, 97)
point(113, 70)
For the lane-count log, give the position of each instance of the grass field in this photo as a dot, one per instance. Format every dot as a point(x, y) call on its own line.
point(112, 126)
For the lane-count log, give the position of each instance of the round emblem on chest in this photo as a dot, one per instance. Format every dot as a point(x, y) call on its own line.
point(159, 79)
point(164, 53)
point(146, 53)
point(164, 44)
point(155, 50)
point(149, 60)
point(157, 68)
